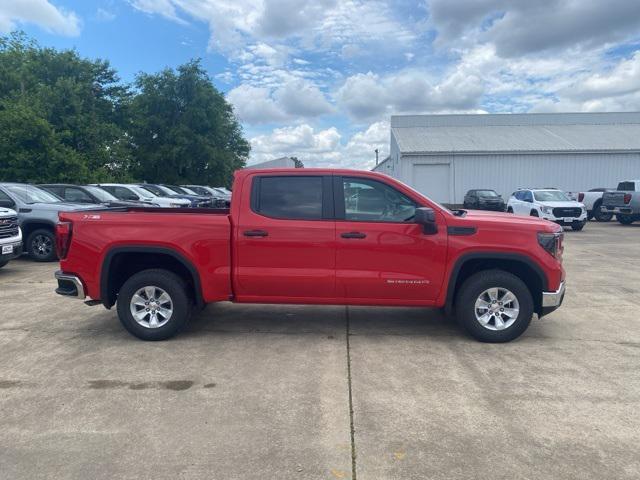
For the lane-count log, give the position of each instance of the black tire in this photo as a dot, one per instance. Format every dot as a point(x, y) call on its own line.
point(599, 215)
point(180, 302)
point(534, 213)
point(509, 210)
point(471, 290)
point(41, 245)
point(625, 219)
point(2, 264)
point(577, 227)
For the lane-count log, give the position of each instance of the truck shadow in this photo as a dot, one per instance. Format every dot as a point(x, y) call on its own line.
point(322, 320)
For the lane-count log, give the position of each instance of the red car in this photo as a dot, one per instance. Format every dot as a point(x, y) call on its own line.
point(313, 236)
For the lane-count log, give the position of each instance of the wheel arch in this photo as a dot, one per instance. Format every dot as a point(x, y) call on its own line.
point(29, 226)
point(518, 264)
point(121, 262)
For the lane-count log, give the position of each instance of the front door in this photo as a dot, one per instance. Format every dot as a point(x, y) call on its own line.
point(382, 256)
point(285, 240)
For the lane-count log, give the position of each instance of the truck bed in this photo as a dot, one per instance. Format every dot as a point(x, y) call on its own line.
point(201, 236)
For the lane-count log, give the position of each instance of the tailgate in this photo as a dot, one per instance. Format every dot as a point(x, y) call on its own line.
point(613, 199)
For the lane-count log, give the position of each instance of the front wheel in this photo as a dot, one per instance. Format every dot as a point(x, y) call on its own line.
point(2, 264)
point(494, 306)
point(41, 245)
point(577, 227)
point(154, 305)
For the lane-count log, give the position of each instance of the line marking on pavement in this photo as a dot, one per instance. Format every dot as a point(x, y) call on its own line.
point(351, 426)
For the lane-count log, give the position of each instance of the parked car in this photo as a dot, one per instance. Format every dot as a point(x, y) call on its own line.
point(484, 199)
point(37, 216)
point(91, 194)
point(304, 237)
point(548, 203)
point(133, 193)
point(10, 236)
point(592, 201)
point(194, 200)
point(624, 202)
point(221, 199)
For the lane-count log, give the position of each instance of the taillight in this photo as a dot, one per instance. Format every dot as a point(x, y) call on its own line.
point(63, 238)
point(552, 243)
point(627, 198)
point(580, 196)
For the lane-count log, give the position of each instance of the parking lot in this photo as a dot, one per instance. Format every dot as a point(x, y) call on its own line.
point(259, 392)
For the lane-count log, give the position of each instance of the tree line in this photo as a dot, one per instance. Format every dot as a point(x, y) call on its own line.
point(64, 118)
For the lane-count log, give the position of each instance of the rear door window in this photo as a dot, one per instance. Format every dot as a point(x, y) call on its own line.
point(292, 198)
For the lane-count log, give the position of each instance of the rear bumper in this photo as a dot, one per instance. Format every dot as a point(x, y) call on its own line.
point(69, 285)
point(622, 210)
point(552, 300)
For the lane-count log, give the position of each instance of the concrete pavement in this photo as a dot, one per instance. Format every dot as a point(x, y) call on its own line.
point(256, 392)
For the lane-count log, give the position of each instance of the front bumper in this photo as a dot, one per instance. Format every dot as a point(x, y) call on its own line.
point(16, 250)
point(69, 285)
point(552, 300)
point(566, 221)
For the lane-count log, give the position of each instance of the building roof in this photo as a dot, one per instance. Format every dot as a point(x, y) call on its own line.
point(503, 133)
point(282, 162)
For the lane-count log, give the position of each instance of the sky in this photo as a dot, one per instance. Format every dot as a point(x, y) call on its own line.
point(320, 79)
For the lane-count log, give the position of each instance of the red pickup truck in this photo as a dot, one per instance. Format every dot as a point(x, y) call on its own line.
point(313, 236)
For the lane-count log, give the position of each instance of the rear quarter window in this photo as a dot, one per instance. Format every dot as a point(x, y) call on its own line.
point(291, 198)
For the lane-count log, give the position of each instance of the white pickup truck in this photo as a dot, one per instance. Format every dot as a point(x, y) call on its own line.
point(592, 201)
point(10, 236)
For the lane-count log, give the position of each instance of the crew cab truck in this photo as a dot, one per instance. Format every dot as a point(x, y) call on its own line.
point(314, 236)
point(624, 202)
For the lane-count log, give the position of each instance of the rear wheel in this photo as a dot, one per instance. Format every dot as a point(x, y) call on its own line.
point(494, 306)
point(599, 215)
point(154, 305)
point(625, 219)
point(41, 245)
point(509, 210)
point(534, 213)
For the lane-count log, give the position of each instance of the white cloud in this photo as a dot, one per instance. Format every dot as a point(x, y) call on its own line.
point(522, 27)
point(295, 99)
point(323, 148)
point(38, 12)
point(311, 24)
point(367, 96)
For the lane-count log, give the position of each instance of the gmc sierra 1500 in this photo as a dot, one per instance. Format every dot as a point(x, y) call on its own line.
point(313, 236)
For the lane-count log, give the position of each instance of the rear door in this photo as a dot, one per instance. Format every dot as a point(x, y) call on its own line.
point(285, 240)
point(382, 256)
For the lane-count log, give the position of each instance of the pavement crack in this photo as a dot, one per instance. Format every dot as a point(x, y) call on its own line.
point(351, 424)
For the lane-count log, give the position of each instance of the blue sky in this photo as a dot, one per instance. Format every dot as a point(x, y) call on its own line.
point(319, 79)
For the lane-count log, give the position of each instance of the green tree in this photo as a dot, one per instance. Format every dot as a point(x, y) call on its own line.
point(183, 130)
point(60, 115)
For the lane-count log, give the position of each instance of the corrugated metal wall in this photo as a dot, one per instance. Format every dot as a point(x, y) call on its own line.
point(506, 173)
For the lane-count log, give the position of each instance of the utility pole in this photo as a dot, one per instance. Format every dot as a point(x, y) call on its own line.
point(376, 150)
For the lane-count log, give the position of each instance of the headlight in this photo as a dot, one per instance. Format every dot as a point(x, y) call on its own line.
point(546, 209)
point(552, 243)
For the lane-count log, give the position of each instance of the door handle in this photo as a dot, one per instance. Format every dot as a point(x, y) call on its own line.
point(255, 233)
point(353, 235)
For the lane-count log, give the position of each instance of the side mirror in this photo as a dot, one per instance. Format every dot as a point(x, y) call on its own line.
point(7, 204)
point(427, 218)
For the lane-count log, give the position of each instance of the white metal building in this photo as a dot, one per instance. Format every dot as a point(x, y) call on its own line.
point(282, 162)
point(443, 156)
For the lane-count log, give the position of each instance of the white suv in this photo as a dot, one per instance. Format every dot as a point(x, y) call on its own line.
point(10, 236)
point(548, 203)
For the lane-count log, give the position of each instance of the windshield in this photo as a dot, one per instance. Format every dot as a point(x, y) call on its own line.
point(551, 196)
point(170, 189)
point(487, 193)
point(153, 189)
point(31, 194)
point(100, 194)
point(221, 191)
point(188, 191)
